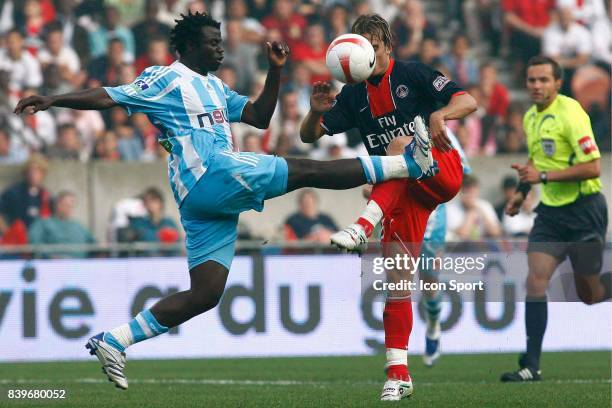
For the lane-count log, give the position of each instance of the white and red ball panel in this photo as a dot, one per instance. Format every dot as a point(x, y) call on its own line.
point(351, 58)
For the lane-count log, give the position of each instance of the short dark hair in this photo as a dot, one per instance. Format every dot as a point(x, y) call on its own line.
point(53, 27)
point(308, 191)
point(487, 64)
point(15, 31)
point(188, 29)
point(374, 25)
point(154, 193)
point(114, 40)
point(509, 182)
point(544, 60)
point(63, 194)
point(469, 181)
point(66, 126)
point(458, 36)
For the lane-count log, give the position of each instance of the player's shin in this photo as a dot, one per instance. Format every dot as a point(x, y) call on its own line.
point(384, 197)
point(536, 316)
point(397, 321)
point(144, 326)
point(432, 309)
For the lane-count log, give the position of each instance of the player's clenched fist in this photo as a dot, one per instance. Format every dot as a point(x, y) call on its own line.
point(35, 102)
point(278, 52)
point(321, 99)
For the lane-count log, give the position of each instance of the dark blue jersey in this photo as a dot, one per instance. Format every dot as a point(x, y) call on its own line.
point(387, 110)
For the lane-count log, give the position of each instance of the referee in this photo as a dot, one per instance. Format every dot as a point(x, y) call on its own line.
point(572, 217)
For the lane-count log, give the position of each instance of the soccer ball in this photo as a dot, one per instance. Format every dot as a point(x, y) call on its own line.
point(350, 58)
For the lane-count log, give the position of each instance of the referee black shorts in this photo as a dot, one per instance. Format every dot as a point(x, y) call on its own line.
point(577, 230)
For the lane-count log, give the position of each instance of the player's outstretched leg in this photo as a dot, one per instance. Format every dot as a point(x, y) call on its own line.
point(410, 162)
point(207, 285)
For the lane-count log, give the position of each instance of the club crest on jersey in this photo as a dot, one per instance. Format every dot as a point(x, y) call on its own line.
point(440, 82)
point(401, 91)
point(549, 147)
point(140, 85)
point(586, 144)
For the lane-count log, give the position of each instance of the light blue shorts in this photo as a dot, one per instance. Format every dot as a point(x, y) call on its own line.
point(233, 183)
point(434, 238)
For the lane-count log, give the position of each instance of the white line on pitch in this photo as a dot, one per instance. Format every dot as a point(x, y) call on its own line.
point(213, 381)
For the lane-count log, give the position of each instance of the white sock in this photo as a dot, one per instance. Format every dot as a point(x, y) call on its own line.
point(372, 213)
point(123, 335)
point(381, 168)
point(396, 357)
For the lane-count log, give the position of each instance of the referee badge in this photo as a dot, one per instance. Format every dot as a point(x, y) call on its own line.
point(549, 147)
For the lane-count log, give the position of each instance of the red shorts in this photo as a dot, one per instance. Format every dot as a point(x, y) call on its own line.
point(409, 211)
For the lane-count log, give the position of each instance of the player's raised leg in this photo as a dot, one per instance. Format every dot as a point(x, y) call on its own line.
point(441, 186)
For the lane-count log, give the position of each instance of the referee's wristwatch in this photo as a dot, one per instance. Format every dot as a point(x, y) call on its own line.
point(543, 177)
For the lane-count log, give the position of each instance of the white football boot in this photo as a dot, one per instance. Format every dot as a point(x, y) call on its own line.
point(395, 390)
point(422, 149)
point(113, 360)
point(352, 239)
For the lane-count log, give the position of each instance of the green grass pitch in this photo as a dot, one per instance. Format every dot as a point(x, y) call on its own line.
point(570, 380)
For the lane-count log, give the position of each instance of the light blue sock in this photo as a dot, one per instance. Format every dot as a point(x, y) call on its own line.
point(143, 326)
point(381, 168)
point(433, 307)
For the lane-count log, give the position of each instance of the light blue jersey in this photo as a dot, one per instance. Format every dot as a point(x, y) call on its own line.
point(211, 183)
point(455, 142)
point(192, 111)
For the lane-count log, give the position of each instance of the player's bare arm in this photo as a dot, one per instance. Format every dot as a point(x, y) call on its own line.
point(578, 172)
point(89, 99)
point(321, 101)
point(259, 112)
point(459, 107)
point(530, 175)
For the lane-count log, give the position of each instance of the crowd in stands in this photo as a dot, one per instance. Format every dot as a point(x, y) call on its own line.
point(57, 46)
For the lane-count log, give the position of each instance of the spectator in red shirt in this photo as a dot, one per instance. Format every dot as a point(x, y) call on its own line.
point(290, 24)
point(312, 53)
point(495, 100)
point(157, 54)
point(494, 94)
point(526, 20)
